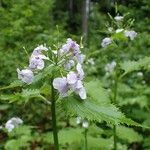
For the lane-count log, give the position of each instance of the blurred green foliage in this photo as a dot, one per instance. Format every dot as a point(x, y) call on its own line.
point(24, 24)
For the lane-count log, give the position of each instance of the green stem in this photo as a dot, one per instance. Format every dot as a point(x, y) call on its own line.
point(114, 100)
point(115, 138)
point(85, 138)
point(54, 124)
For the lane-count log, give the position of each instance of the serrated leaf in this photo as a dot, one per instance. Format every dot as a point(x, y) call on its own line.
point(14, 84)
point(94, 111)
point(96, 92)
point(128, 134)
point(24, 96)
point(129, 66)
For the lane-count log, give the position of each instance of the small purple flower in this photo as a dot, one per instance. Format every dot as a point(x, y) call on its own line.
point(109, 68)
point(12, 123)
point(72, 77)
point(131, 34)
point(106, 41)
point(36, 63)
point(36, 59)
point(79, 89)
point(80, 71)
point(61, 85)
point(73, 45)
point(25, 75)
point(70, 46)
point(69, 64)
point(38, 50)
point(75, 83)
point(80, 58)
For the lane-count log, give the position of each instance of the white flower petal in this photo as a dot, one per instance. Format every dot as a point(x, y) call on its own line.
point(82, 93)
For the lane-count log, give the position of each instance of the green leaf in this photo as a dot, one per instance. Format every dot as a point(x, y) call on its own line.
point(129, 66)
point(24, 96)
point(14, 84)
point(128, 134)
point(96, 92)
point(93, 111)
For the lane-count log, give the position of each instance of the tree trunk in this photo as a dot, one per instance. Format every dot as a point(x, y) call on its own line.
point(85, 17)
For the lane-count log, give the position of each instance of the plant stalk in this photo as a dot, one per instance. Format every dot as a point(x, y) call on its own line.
point(85, 139)
point(114, 100)
point(54, 123)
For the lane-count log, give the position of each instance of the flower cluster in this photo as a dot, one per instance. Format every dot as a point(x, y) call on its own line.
point(127, 33)
point(36, 62)
point(85, 123)
point(12, 123)
point(73, 64)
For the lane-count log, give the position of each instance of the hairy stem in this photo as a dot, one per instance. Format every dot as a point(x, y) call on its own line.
point(54, 123)
point(115, 138)
point(114, 100)
point(85, 139)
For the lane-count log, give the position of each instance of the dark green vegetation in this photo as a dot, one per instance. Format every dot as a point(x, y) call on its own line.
point(24, 24)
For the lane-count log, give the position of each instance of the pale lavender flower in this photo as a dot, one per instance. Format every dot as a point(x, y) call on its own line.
point(80, 58)
point(69, 64)
point(36, 59)
point(65, 49)
point(70, 46)
point(110, 67)
point(36, 63)
point(73, 46)
point(80, 71)
point(61, 85)
point(80, 90)
point(72, 77)
point(106, 41)
point(25, 75)
point(38, 50)
point(131, 34)
point(118, 18)
point(12, 123)
point(75, 83)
